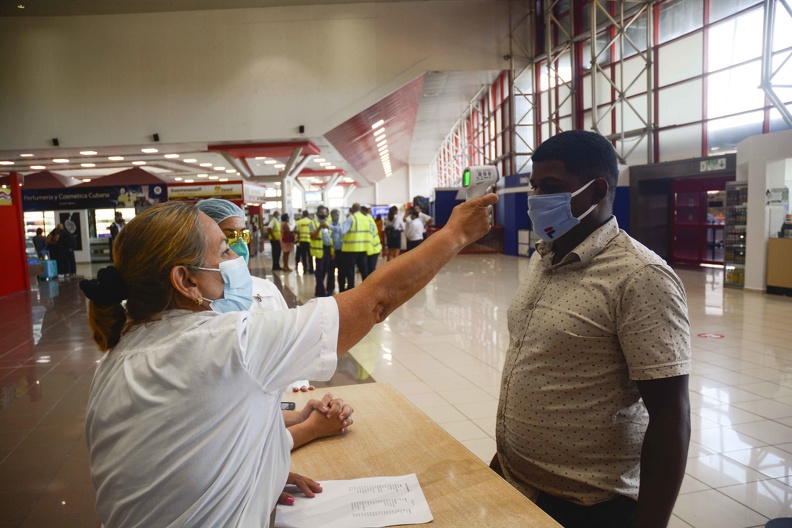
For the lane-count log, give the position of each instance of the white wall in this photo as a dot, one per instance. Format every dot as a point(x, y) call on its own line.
point(227, 75)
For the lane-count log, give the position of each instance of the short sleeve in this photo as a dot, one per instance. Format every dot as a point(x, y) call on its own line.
point(280, 347)
point(653, 324)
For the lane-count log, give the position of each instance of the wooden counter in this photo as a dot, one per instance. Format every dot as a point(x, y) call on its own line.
point(779, 265)
point(390, 436)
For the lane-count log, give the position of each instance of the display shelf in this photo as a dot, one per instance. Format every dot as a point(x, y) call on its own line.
point(734, 239)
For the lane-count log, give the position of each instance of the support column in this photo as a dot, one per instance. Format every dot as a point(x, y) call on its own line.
point(13, 254)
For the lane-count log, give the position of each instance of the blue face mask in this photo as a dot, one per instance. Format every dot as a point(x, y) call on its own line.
point(237, 287)
point(551, 214)
point(240, 248)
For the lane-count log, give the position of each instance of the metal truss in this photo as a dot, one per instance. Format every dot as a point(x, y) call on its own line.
point(768, 72)
point(561, 31)
point(522, 96)
point(621, 85)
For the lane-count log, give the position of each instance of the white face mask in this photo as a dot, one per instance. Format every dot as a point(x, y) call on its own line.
point(551, 214)
point(237, 287)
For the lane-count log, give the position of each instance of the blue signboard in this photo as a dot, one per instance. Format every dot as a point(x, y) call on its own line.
point(137, 196)
point(517, 180)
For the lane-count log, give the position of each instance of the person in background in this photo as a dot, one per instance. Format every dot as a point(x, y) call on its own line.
point(593, 422)
point(303, 228)
point(255, 240)
point(40, 243)
point(274, 235)
point(53, 247)
point(65, 243)
point(115, 228)
point(321, 249)
point(415, 223)
point(393, 233)
point(287, 241)
point(380, 230)
point(191, 379)
point(357, 240)
point(336, 258)
point(266, 297)
point(375, 248)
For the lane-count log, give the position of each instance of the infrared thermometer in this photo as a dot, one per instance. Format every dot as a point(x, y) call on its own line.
point(479, 180)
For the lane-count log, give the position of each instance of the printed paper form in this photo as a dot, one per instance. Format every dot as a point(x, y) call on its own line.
point(359, 503)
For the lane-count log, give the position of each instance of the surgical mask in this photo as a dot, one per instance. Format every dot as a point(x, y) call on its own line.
point(241, 249)
point(322, 217)
point(237, 287)
point(551, 214)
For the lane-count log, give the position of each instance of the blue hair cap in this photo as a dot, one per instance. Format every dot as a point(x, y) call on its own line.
point(218, 209)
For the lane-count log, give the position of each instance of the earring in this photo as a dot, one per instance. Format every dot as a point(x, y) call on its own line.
point(199, 301)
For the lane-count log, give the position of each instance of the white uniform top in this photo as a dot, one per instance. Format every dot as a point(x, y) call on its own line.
point(415, 228)
point(184, 426)
point(267, 296)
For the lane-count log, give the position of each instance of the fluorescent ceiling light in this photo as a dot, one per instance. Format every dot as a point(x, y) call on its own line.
point(383, 148)
point(261, 157)
point(203, 175)
point(189, 181)
point(230, 171)
point(11, 162)
point(177, 179)
point(138, 163)
point(223, 179)
point(219, 168)
point(58, 160)
point(325, 163)
point(280, 166)
point(382, 142)
point(379, 132)
point(330, 167)
point(206, 164)
point(26, 155)
point(88, 165)
point(214, 177)
point(116, 158)
point(319, 160)
point(88, 152)
point(38, 167)
point(378, 123)
point(270, 162)
point(149, 150)
point(190, 160)
point(171, 156)
point(86, 180)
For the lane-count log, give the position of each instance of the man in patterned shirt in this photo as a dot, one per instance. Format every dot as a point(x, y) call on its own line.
point(594, 417)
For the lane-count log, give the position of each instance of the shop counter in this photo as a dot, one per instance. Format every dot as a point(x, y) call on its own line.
point(779, 266)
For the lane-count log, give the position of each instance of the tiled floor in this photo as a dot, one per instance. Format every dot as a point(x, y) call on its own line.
point(444, 351)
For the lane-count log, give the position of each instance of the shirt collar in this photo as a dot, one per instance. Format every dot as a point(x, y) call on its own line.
point(586, 250)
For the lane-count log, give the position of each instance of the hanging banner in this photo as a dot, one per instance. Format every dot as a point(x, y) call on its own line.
point(254, 193)
point(137, 196)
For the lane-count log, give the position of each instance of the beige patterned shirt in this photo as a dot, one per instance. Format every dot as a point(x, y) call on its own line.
point(571, 421)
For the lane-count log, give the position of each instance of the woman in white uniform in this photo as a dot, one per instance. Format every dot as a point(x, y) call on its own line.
point(184, 425)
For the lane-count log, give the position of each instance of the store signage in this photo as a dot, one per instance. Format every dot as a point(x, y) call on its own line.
point(5, 198)
point(254, 192)
point(712, 165)
point(196, 192)
point(137, 196)
point(711, 336)
point(517, 180)
point(778, 196)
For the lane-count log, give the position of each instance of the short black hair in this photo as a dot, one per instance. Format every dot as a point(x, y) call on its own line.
point(39, 231)
point(585, 155)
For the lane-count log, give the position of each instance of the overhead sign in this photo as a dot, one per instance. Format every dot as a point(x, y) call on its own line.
point(712, 165)
point(229, 191)
point(253, 192)
point(137, 196)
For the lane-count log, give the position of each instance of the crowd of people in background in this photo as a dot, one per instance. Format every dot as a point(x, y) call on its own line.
point(335, 251)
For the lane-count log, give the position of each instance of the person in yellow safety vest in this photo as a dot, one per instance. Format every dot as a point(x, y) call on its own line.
point(375, 248)
point(357, 239)
point(321, 249)
point(274, 235)
point(303, 228)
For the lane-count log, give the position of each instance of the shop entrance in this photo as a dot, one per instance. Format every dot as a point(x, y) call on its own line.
point(698, 215)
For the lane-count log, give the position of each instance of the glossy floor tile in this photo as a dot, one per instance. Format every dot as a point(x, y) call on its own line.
point(444, 351)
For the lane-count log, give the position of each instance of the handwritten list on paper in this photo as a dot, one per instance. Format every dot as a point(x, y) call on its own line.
point(360, 503)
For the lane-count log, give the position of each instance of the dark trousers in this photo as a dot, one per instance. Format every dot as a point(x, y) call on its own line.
point(412, 244)
point(322, 265)
point(359, 259)
point(304, 256)
point(276, 253)
point(335, 264)
point(614, 513)
point(372, 262)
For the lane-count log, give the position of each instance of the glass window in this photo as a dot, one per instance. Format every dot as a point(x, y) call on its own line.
point(722, 8)
point(105, 217)
point(678, 17)
point(680, 143)
point(736, 40)
point(777, 122)
point(297, 198)
point(735, 90)
point(724, 134)
point(680, 60)
point(782, 30)
point(636, 32)
point(680, 104)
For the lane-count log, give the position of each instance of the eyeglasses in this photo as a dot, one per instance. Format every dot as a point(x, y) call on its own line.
point(233, 236)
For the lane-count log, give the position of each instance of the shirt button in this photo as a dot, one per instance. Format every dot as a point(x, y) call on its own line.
point(531, 306)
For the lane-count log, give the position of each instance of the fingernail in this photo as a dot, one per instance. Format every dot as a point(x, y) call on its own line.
point(289, 500)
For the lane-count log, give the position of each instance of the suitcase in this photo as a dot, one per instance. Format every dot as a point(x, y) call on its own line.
point(50, 270)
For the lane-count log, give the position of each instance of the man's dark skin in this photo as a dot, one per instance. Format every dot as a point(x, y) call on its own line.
point(665, 446)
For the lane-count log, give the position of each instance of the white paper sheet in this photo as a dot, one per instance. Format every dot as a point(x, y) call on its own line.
point(360, 503)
